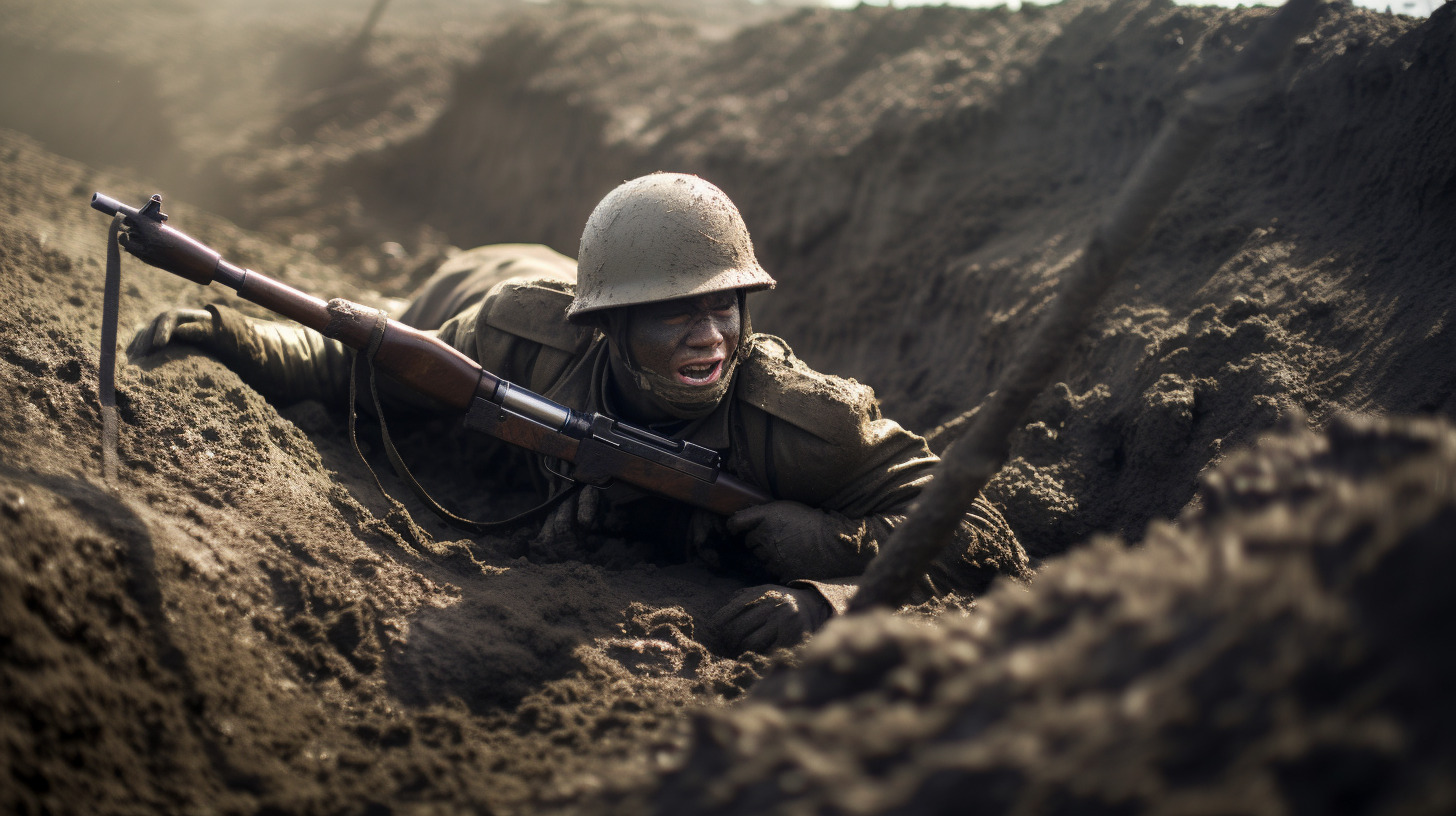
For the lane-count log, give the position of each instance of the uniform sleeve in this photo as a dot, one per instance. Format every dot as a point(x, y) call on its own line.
point(983, 549)
point(288, 363)
point(825, 444)
point(284, 362)
point(821, 440)
point(517, 331)
point(877, 480)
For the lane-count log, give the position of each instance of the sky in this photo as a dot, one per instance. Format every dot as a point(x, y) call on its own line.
point(1418, 8)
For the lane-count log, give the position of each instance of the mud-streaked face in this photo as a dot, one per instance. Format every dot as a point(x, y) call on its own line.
point(689, 340)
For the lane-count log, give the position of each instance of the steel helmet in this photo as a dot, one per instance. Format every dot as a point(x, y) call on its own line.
point(662, 237)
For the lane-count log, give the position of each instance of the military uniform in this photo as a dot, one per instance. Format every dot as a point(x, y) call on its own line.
point(646, 323)
point(800, 435)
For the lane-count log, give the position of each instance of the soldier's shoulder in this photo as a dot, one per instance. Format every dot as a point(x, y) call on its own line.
point(502, 261)
point(535, 309)
point(834, 409)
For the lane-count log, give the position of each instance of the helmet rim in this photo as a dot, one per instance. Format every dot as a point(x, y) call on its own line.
point(661, 237)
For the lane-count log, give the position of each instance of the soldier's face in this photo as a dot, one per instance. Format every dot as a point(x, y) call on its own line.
point(688, 340)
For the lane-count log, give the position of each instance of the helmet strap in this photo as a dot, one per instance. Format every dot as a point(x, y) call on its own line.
point(666, 394)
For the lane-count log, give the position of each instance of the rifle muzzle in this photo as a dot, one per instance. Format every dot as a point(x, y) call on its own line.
point(157, 244)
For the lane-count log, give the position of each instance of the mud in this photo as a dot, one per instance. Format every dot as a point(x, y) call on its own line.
point(1271, 652)
point(241, 628)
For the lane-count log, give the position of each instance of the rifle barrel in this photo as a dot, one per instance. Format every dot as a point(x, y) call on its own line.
point(602, 449)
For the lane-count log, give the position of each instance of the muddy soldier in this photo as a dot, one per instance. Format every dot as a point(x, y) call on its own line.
point(651, 326)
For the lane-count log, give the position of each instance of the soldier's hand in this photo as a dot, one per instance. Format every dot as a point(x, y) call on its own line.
point(763, 618)
point(564, 534)
point(795, 540)
point(192, 326)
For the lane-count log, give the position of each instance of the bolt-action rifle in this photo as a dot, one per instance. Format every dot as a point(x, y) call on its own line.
point(600, 448)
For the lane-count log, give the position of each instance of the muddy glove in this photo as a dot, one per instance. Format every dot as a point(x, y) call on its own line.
point(191, 326)
point(575, 528)
point(795, 540)
point(281, 361)
point(763, 618)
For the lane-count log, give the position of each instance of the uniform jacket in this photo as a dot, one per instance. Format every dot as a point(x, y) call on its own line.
point(800, 435)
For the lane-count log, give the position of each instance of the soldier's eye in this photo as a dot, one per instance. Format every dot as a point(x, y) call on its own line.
point(676, 317)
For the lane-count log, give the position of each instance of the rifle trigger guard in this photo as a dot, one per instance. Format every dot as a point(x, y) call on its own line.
point(596, 463)
point(575, 478)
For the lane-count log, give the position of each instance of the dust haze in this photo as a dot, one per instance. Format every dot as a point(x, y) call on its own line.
point(1238, 493)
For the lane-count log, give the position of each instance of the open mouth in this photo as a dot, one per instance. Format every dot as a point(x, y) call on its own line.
point(703, 373)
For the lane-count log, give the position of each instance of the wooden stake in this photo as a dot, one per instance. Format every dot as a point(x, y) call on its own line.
point(976, 457)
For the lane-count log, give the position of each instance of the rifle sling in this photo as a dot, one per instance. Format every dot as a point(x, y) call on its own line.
point(106, 369)
point(376, 337)
point(106, 391)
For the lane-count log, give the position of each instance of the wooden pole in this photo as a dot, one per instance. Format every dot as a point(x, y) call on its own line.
point(976, 457)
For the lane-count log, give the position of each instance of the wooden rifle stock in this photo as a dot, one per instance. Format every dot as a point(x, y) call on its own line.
point(600, 448)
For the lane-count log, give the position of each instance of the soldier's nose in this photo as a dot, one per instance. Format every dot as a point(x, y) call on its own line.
point(705, 333)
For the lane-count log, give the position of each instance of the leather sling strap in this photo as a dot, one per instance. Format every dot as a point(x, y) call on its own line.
point(107, 392)
point(106, 388)
point(476, 527)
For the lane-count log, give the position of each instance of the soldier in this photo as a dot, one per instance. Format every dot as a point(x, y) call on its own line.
point(652, 326)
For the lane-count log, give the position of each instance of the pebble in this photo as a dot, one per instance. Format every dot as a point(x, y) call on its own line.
point(12, 503)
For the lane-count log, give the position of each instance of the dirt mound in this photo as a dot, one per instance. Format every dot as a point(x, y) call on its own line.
point(234, 629)
point(918, 178)
point(1279, 651)
point(241, 628)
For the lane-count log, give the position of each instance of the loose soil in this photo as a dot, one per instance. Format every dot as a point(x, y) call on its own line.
point(1238, 493)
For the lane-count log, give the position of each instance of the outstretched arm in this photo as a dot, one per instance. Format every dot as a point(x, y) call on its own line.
point(820, 555)
point(817, 546)
point(797, 542)
point(284, 362)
